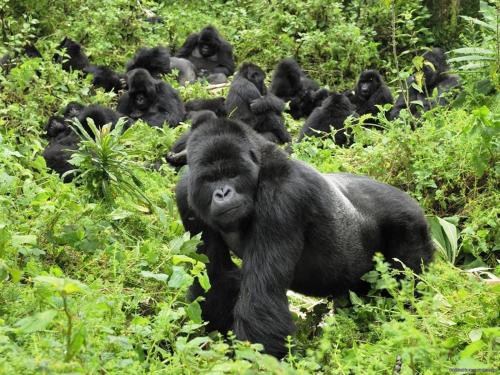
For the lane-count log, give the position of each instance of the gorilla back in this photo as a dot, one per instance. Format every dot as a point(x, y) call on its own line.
point(293, 227)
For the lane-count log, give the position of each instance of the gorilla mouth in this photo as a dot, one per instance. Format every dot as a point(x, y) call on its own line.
point(227, 210)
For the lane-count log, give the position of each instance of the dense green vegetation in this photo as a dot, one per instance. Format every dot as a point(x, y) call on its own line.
point(93, 274)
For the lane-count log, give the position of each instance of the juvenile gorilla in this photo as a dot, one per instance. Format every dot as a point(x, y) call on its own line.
point(248, 101)
point(151, 100)
point(293, 228)
point(211, 55)
point(436, 77)
point(370, 91)
point(332, 114)
point(290, 83)
point(76, 59)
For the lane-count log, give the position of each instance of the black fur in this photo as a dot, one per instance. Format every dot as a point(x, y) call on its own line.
point(332, 114)
point(370, 91)
point(151, 100)
point(57, 126)
point(435, 77)
point(100, 115)
point(210, 53)
point(248, 101)
point(74, 58)
point(293, 228)
point(155, 60)
point(216, 105)
point(290, 83)
point(177, 156)
point(63, 141)
point(106, 78)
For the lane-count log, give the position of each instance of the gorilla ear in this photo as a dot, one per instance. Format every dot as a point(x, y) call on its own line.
point(200, 117)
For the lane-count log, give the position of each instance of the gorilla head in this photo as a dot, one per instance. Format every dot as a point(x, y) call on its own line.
point(73, 109)
point(434, 66)
point(223, 172)
point(142, 89)
point(369, 82)
point(209, 42)
point(255, 75)
point(99, 115)
point(155, 60)
point(78, 60)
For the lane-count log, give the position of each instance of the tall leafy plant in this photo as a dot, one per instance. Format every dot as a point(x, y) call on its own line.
point(484, 57)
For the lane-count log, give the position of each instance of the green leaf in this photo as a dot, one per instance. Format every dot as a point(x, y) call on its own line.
point(204, 281)
point(179, 278)
point(355, 300)
point(77, 342)
point(119, 214)
point(472, 348)
point(66, 286)
point(193, 311)
point(36, 322)
point(18, 240)
point(179, 258)
point(475, 335)
point(157, 276)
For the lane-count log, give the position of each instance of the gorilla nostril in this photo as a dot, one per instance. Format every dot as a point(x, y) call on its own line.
point(227, 191)
point(223, 194)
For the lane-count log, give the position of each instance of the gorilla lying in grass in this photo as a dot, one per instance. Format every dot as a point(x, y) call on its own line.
point(293, 227)
point(63, 140)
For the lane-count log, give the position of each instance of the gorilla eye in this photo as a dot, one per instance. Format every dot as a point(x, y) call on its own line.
point(231, 174)
point(253, 157)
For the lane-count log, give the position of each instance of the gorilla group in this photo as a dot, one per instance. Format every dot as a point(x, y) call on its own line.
point(293, 228)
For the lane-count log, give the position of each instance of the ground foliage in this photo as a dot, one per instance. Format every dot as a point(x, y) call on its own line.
point(93, 277)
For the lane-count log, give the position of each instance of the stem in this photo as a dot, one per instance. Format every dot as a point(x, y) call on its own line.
point(498, 37)
point(404, 90)
point(70, 327)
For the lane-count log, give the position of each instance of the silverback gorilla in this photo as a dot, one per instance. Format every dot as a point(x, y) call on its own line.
point(436, 77)
point(210, 53)
point(293, 228)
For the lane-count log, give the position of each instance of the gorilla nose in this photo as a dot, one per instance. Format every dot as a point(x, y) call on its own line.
point(223, 194)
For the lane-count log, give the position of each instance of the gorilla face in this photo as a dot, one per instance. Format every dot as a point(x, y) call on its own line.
point(255, 75)
point(369, 82)
point(208, 43)
point(142, 89)
point(223, 175)
point(434, 65)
